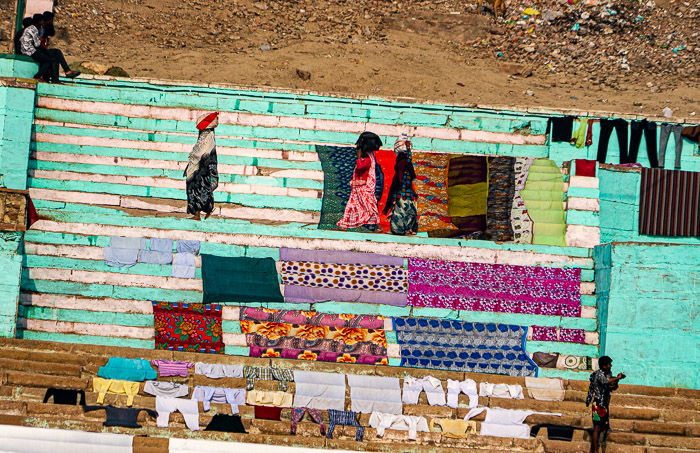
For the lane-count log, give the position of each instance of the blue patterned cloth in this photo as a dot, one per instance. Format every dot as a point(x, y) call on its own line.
point(348, 418)
point(454, 345)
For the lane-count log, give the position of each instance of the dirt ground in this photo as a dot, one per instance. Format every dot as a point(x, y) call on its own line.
point(437, 50)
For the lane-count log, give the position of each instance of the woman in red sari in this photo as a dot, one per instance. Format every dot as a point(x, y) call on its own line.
point(362, 204)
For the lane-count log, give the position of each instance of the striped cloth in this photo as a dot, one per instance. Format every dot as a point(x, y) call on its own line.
point(669, 203)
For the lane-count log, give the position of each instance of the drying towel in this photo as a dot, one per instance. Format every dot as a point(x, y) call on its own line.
point(463, 346)
point(431, 190)
point(499, 204)
point(120, 242)
point(239, 279)
point(468, 189)
point(669, 203)
point(545, 389)
point(155, 257)
point(375, 394)
point(187, 246)
point(494, 287)
point(188, 327)
point(116, 257)
point(321, 391)
point(161, 245)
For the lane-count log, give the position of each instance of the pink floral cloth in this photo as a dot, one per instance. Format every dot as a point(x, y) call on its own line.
point(548, 333)
point(494, 287)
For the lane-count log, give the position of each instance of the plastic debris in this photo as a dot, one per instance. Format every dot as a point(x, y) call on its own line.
point(531, 12)
point(576, 27)
point(668, 113)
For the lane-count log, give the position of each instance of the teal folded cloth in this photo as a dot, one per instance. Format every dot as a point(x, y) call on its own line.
point(127, 370)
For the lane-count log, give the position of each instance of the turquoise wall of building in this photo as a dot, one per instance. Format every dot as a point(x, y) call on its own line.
point(11, 266)
point(619, 209)
point(651, 322)
point(16, 122)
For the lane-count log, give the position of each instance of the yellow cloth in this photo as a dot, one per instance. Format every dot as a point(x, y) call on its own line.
point(456, 429)
point(103, 386)
point(467, 199)
point(265, 398)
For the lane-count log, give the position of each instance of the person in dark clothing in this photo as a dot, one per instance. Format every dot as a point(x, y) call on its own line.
point(601, 385)
point(30, 45)
point(26, 22)
point(47, 32)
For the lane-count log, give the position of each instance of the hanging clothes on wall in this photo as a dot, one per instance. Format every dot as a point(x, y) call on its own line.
point(606, 128)
point(669, 203)
point(560, 128)
point(648, 128)
point(579, 137)
point(431, 190)
point(468, 190)
point(666, 131)
point(501, 194)
point(338, 164)
point(239, 279)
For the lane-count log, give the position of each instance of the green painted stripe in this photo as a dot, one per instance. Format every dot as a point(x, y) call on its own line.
point(564, 374)
point(233, 227)
point(45, 205)
point(136, 153)
point(238, 350)
point(587, 275)
point(563, 348)
point(93, 317)
point(308, 106)
point(393, 361)
point(391, 337)
point(583, 192)
point(85, 339)
point(587, 218)
point(47, 237)
point(296, 183)
point(56, 262)
point(231, 326)
point(252, 200)
point(589, 301)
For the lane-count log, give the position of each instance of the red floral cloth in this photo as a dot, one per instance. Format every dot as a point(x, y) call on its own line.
point(181, 326)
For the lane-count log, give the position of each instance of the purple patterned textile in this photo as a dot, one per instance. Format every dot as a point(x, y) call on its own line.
point(339, 257)
point(494, 287)
point(305, 294)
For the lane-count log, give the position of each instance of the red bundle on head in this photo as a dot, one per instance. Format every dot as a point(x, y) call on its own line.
point(208, 122)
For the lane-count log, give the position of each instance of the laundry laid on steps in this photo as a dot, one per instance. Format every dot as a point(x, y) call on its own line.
point(317, 390)
point(375, 394)
point(180, 326)
point(104, 386)
point(512, 391)
point(184, 265)
point(556, 432)
point(208, 395)
point(412, 388)
point(123, 369)
point(254, 373)
point(172, 368)
point(269, 398)
point(120, 416)
point(188, 408)
point(381, 422)
point(166, 388)
point(455, 388)
point(504, 422)
point(314, 414)
point(545, 389)
point(268, 412)
point(218, 371)
point(456, 429)
point(346, 418)
point(226, 423)
point(65, 396)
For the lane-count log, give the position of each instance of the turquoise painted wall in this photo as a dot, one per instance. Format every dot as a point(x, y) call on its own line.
point(619, 209)
point(11, 265)
point(652, 330)
point(16, 122)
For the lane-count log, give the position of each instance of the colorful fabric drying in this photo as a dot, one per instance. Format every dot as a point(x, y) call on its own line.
point(463, 346)
point(549, 333)
point(239, 279)
point(468, 187)
point(494, 287)
point(188, 327)
point(314, 341)
point(519, 217)
point(431, 190)
point(311, 318)
point(499, 204)
point(338, 164)
point(314, 276)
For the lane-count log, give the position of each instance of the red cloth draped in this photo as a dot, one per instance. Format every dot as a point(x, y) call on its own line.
point(386, 159)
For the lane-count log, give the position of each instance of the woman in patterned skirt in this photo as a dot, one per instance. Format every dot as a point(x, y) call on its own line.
point(362, 204)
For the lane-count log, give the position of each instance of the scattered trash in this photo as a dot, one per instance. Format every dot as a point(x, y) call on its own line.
point(668, 113)
point(265, 47)
point(678, 49)
point(499, 54)
point(576, 27)
point(531, 12)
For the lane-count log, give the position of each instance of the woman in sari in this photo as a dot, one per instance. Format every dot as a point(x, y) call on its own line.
point(362, 204)
point(402, 198)
point(201, 173)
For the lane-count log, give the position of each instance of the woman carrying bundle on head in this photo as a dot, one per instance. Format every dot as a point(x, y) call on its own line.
point(202, 173)
point(362, 204)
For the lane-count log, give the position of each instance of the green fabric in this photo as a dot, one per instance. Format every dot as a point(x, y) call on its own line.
point(543, 196)
point(239, 279)
point(579, 137)
point(468, 199)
